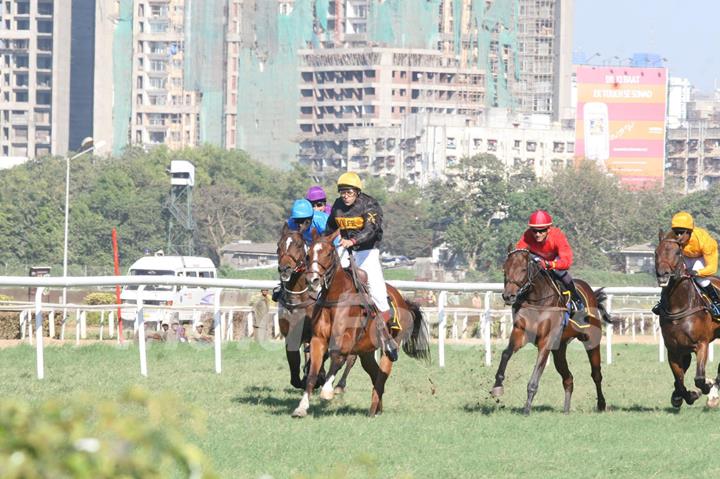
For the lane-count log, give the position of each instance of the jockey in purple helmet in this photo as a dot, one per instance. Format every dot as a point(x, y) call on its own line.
point(316, 196)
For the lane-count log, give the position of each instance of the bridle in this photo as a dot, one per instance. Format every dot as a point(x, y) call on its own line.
point(679, 269)
point(534, 271)
point(299, 268)
point(328, 272)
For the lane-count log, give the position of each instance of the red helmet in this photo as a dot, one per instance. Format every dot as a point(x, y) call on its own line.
point(540, 219)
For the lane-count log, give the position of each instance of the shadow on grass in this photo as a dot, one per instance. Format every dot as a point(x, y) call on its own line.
point(488, 409)
point(266, 398)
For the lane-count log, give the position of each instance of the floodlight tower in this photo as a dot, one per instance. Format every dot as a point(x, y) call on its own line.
point(181, 226)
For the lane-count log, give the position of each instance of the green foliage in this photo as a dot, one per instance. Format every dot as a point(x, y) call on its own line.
point(100, 298)
point(261, 273)
point(85, 438)
point(5, 297)
point(405, 218)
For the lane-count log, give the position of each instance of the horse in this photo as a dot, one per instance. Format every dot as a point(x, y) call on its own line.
point(295, 303)
point(342, 323)
point(539, 316)
point(686, 324)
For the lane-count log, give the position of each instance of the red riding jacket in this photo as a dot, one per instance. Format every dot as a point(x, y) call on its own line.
point(555, 249)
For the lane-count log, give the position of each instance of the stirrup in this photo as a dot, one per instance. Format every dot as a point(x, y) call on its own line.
point(390, 349)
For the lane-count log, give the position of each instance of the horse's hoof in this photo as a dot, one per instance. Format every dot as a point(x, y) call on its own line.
point(601, 406)
point(704, 385)
point(326, 395)
point(339, 390)
point(497, 392)
point(713, 402)
point(526, 411)
point(297, 383)
point(692, 397)
point(299, 412)
point(676, 401)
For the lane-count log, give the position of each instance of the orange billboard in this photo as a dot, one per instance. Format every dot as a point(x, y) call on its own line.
point(620, 122)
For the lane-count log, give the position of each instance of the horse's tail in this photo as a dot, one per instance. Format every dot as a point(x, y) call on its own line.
point(417, 346)
point(601, 297)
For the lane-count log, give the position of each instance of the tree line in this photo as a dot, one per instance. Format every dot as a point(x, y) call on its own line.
point(476, 211)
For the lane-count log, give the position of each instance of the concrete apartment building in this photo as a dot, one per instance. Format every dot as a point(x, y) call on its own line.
point(427, 146)
point(47, 52)
point(346, 87)
point(34, 79)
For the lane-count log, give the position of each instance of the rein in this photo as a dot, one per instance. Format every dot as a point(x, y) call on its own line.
point(534, 271)
point(678, 275)
point(297, 273)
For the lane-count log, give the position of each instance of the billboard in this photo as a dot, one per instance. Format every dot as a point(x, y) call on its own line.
point(620, 121)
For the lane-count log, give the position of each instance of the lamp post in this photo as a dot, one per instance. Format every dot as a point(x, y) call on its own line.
point(86, 146)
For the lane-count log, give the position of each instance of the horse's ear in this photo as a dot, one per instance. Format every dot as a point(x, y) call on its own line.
point(285, 230)
point(660, 234)
point(510, 247)
point(314, 233)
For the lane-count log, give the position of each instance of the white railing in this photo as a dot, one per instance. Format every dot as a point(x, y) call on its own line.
point(441, 311)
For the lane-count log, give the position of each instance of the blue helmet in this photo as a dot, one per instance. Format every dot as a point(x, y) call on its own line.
point(301, 209)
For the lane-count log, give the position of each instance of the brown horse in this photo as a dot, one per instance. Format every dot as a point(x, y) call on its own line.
point(687, 325)
point(539, 317)
point(342, 325)
point(295, 304)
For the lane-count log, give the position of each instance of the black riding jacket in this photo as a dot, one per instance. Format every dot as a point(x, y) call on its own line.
point(361, 221)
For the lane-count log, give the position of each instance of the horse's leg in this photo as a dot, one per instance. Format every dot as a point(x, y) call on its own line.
point(517, 341)
point(713, 396)
point(379, 386)
point(678, 368)
point(701, 382)
point(349, 363)
point(293, 359)
point(690, 395)
point(561, 366)
point(367, 360)
point(532, 387)
point(317, 351)
point(596, 374)
point(336, 362)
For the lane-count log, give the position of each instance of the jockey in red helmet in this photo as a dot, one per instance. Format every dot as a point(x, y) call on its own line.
point(552, 251)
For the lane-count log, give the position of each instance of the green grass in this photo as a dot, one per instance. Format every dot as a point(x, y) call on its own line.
point(437, 422)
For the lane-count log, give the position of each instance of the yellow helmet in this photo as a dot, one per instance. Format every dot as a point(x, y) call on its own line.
point(350, 179)
point(683, 220)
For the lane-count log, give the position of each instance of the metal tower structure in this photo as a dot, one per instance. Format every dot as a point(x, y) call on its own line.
point(181, 226)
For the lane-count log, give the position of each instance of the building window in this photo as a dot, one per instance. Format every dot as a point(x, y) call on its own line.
point(531, 146)
point(571, 147)
point(451, 143)
point(516, 145)
point(492, 145)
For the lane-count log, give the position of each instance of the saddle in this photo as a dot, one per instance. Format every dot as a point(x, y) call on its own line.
point(360, 281)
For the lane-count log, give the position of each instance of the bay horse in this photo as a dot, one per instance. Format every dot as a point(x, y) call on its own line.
point(686, 324)
point(295, 304)
point(539, 317)
point(342, 325)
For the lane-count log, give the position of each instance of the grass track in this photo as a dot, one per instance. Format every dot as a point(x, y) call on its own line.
point(437, 423)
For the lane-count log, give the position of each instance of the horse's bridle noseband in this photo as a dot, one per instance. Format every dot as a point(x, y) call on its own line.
point(328, 272)
point(533, 271)
point(679, 270)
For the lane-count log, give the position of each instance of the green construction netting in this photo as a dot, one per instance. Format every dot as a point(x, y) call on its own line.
point(122, 76)
point(404, 24)
point(203, 67)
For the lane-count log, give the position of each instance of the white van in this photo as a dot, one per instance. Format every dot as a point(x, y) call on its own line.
point(161, 295)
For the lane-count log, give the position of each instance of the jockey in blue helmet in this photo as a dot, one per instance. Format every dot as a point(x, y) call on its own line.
point(304, 218)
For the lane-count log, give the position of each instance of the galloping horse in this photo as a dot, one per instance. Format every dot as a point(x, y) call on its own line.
point(342, 325)
point(539, 316)
point(687, 325)
point(295, 305)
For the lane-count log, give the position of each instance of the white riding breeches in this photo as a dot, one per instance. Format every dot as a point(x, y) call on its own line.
point(368, 260)
point(696, 264)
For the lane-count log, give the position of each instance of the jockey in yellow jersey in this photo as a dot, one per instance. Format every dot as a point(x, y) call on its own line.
point(359, 218)
point(700, 251)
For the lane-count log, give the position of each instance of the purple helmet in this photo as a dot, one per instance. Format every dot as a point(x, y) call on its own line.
point(315, 193)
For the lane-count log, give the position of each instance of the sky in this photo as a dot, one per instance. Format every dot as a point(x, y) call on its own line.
point(685, 32)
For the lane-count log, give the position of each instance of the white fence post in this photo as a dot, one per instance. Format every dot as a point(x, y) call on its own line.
point(608, 332)
point(218, 332)
point(487, 322)
point(442, 298)
point(661, 343)
point(111, 323)
point(51, 323)
point(141, 331)
point(40, 360)
point(83, 325)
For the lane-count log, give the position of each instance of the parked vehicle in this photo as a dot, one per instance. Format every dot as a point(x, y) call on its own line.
point(166, 295)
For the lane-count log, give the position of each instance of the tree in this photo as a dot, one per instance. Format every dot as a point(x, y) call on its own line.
point(405, 224)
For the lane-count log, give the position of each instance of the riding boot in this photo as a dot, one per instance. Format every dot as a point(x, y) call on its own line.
point(577, 304)
point(711, 293)
point(389, 346)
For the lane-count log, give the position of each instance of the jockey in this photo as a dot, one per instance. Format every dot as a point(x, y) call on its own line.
point(359, 219)
point(304, 218)
point(552, 252)
point(316, 196)
point(700, 251)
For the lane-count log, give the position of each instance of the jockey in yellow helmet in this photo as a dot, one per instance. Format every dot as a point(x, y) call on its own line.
point(700, 251)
